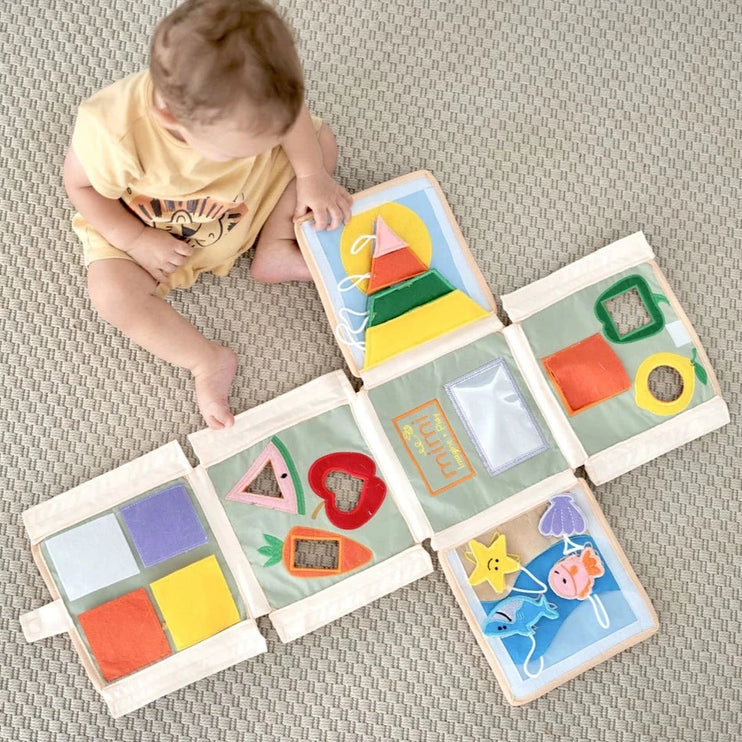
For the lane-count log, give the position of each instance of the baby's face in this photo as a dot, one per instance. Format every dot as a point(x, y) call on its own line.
point(230, 139)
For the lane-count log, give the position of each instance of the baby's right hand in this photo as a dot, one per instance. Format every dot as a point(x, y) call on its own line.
point(159, 253)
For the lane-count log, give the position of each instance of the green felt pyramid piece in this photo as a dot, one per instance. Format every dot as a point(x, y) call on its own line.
point(402, 297)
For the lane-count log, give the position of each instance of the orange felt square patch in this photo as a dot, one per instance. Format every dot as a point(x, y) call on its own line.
point(124, 634)
point(587, 373)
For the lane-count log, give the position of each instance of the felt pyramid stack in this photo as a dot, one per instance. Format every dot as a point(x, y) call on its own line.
point(408, 302)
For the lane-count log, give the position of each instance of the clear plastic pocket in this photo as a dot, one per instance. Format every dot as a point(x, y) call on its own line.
point(496, 416)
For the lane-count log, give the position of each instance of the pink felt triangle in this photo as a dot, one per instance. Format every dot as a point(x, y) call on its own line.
point(386, 240)
point(269, 456)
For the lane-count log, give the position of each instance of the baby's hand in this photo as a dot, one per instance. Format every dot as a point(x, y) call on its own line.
point(159, 253)
point(328, 201)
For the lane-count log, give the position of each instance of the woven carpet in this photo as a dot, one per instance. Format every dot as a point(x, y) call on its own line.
point(554, 127)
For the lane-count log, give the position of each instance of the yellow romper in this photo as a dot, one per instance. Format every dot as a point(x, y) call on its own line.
point(217, 207)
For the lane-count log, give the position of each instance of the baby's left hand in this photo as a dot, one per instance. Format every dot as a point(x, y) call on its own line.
point(328, 201)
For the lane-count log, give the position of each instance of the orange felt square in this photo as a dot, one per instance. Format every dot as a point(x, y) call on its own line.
point(124, 634)
point(587, 373)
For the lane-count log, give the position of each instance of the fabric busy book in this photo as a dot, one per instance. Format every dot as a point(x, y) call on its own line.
point(602, 345)
point(465, 432)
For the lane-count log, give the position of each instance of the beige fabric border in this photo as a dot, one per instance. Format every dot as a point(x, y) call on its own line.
point(603, 263)
point(106, 491)
point(302, 403)
point(354, 592)
point(659, 440)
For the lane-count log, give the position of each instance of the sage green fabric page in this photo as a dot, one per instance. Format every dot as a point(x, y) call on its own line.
point(386, 534)
point(573, 319)
point(476, 493)
point(146, 575)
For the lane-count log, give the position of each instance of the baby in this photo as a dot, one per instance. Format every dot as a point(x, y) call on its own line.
point(183, 167)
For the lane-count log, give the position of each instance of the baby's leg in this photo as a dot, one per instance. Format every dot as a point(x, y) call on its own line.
point(277, 257)
point(124, 295)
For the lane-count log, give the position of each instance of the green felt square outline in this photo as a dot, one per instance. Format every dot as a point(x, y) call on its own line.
point(650, 301)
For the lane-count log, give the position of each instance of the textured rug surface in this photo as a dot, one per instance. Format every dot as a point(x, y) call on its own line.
point(554, 128)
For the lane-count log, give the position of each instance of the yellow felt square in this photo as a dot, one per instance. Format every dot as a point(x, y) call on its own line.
point(419, 325)
point(195, 602)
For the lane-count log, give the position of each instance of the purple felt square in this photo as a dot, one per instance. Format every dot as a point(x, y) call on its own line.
point(164, 524)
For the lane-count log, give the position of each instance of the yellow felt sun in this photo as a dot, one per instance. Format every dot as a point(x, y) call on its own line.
point(491, 563)
point(403, 222)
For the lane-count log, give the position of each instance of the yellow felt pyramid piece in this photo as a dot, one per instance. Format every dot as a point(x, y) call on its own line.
point(419, 325)
point(195, 602)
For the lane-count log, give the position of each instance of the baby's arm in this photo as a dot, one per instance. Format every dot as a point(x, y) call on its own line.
point(158, 252)
point(316, 190)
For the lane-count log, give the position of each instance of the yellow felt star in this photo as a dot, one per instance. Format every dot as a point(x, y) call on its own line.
point(491, 563)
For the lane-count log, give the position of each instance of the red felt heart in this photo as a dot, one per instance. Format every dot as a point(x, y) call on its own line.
point(355, 464)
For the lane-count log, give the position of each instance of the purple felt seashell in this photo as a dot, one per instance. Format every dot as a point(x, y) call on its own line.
point(562, 518)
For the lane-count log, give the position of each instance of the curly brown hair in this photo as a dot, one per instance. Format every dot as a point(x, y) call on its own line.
point(209, 57)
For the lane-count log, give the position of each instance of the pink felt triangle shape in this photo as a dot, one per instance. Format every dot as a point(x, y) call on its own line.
point(269, 456)
point(386, 240)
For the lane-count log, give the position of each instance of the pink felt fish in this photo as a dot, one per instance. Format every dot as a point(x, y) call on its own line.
point(573, 576)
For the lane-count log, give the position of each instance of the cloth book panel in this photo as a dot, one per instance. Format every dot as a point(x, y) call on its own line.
point(141, 584)
point(466, 432)
point(327, 512)
point(399, 275)
point(547, 591)
point(167, 586)
point(615, 360)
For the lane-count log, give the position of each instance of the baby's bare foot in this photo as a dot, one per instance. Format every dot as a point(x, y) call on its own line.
point(213, 379)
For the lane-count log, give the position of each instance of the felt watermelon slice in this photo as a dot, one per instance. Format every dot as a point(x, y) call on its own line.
point(393, 259)
point(275, 455)
point(350, 554)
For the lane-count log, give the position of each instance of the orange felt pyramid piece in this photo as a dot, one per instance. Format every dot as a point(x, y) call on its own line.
point(393, 259)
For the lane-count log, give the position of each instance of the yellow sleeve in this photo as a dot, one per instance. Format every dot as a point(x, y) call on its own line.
point(108, 159)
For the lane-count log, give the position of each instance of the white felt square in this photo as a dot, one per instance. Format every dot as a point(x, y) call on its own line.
point(678, 333)
point(91, 556)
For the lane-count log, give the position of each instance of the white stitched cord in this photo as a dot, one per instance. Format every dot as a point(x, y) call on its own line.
point(601, 615)
point(355, 279)
point(345, 331)
point(352, 281)
point(346, 336)
point(526, 590)
point(528, 659)
point(361, 243)
point(346, 314)
point(570, 546)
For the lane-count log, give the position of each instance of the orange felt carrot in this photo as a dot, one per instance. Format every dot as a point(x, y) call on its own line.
point(351, 554)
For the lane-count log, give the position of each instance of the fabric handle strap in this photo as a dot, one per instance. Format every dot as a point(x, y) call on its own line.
point(49, 620)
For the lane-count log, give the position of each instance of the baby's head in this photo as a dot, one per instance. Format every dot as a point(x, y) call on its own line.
point(227, 77)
